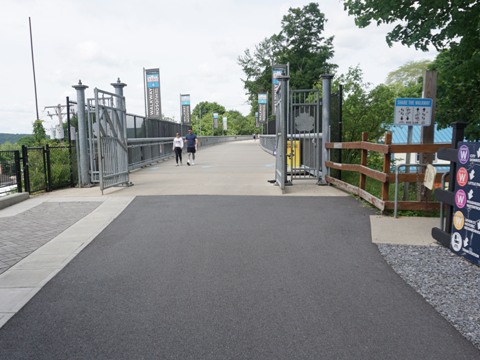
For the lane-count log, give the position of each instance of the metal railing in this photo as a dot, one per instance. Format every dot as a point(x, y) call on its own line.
point(143, 152)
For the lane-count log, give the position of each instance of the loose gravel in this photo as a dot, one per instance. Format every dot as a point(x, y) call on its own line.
point(448, 282)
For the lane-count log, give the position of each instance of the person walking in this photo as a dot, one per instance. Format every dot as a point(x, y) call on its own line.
point(177, 147)
point(192, 146)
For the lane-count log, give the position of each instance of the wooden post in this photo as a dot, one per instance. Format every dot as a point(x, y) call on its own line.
point(387, 159)
point(363, 162)
point(428, 132)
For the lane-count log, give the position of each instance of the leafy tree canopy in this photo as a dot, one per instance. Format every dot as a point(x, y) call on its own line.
point(39, 133)
point(411, 72)
point(300, 44)
point(422, 23)
point(458, 91)
point(452, 27)
point(237, 124)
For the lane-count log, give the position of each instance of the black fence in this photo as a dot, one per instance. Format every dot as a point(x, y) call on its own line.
point(10, 172)
point(35, 169)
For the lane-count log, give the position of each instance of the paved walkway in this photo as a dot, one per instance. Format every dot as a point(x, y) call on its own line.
point(126, 257)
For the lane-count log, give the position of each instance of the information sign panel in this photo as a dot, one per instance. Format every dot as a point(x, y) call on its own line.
point(262, 108)
point(465, 237)
point(412, 111)
point(185, 104)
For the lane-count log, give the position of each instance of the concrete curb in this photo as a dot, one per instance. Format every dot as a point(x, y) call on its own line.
point(9, 200)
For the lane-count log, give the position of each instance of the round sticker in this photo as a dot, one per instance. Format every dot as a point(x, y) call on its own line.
point(458, 220)
point(462, 176)
point(456, 242)
point(463, 154)
point(460, 198)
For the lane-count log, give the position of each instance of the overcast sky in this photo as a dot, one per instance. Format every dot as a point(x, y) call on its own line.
point(195, 43)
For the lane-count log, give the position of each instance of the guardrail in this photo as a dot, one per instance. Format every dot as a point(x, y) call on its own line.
point(143, 152)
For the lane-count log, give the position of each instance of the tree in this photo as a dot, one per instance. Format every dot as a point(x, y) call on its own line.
point(300, 44)
point(458, 91)
point(202, 118)
point(438, 23)
point(364, 109)
point(39, 133)
point(409, 73)
point(452, 28)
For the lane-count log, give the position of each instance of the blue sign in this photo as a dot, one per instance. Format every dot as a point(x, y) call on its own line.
point(413, 111)
point(262, 98)
point(153, 79)
point(465, 237)
point(185, 99)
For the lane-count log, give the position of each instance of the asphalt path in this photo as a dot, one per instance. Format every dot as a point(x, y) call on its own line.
point(232, 277)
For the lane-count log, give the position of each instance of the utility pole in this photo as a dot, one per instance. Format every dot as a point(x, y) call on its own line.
point(59, 111)
point(33, 67)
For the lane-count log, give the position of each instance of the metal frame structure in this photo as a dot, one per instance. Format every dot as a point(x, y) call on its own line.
point(107, 139)
point(304, 134)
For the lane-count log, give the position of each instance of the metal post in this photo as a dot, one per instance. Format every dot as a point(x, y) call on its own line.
point(121, 104)
point(326, 95)
point(340, 125)
point(84, 178)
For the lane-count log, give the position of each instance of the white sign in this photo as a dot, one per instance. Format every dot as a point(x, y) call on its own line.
point(413, 112)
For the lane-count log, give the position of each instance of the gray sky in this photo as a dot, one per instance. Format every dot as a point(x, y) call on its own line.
point(195, 43)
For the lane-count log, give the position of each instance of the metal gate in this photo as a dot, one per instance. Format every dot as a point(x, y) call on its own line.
point(107, 139)
point(304, 135)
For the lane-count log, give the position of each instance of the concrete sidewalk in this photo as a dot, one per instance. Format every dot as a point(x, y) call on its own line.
point(39, 236)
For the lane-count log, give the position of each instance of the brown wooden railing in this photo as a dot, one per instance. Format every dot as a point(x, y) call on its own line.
point(385, 177)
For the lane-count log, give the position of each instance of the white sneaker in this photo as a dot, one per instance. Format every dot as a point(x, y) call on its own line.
point(176, 165)
point(188, 163)
point(193, 162)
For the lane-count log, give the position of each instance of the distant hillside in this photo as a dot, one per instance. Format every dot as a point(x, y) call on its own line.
point(12, 138)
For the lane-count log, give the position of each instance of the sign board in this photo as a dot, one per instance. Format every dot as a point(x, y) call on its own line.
point(262, 108)
point(465, 237)
point(277, 70)
point(185, 104)
point(215, 120)
point(152, 90)
point(413, 111)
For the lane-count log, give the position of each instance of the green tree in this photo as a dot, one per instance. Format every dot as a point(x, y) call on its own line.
point(408, 73)
point(299, 43)
point(202, 118)
point(458, 90)
point(239, 124)
point(39, 133)
point(364, 109)
point(438, 23)
point(452, 27)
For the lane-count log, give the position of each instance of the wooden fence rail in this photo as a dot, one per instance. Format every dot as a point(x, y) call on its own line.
point(385, 177)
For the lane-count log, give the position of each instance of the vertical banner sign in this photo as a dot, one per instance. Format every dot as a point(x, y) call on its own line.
point(152, 83)
point(224, 123)
point(465, 238)
point(185, 104)
point(262, 108)
point(277, 70)
point(215, 120)
point(413, 112)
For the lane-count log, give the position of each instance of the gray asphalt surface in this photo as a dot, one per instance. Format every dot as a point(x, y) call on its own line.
point(232, 277)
